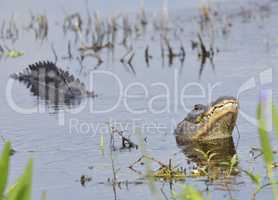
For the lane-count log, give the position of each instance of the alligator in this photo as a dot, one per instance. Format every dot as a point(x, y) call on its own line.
point(209, 122)
point(46, 80)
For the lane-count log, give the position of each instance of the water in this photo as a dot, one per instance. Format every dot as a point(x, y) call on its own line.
point(62, 153)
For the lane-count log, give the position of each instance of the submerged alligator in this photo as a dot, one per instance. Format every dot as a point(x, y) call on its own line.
point(47, 81)
point(205, 123)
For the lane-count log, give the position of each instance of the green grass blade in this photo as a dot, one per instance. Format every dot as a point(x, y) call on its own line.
point(13, 54)
point(4, 168)
point(275, 119)
point(44, 196)
point(264, 139)
point(266, 148)
point(23, 187)
point(255, 178)
point(190, 193)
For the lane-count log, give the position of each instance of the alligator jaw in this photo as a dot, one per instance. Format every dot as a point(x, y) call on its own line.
point(221, 122)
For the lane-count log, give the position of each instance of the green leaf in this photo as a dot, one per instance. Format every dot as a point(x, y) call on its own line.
point(234, 160)
point(264, 139)
point(23, 187)
point(190, 193)
point(44, 196)
point(4, 168)
point(102, 143)
point(13, 54)
point(233, 163)
point(275, 119)
point(266, 147)
point(255, 178)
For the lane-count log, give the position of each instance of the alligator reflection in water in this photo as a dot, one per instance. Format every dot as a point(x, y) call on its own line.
point(223, 151)
point(47, 81)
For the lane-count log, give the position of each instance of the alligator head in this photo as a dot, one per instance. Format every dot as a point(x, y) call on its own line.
point(214, 121)
point(46, 80)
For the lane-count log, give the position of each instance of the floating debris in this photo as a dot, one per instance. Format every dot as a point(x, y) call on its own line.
point(164, 172)
point(9, 53)
point(85, 179)
point(13, 54)
point(125, 141)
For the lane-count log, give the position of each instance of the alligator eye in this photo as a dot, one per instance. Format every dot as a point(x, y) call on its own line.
point(197, 107)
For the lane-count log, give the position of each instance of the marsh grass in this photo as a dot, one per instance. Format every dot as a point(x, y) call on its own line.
point(166, 172)
point(275, 119)
point(265, 144)
point(102, 144)
point(9, 30)
point(188, 193)
point(6, 52)
point(21, 190)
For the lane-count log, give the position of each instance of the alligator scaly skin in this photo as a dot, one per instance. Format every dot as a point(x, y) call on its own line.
point(214, 121)
point(46, 80)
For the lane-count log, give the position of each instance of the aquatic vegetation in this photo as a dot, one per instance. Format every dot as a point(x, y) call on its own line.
point(39, 24)
point(164, 172)
point(265, 141)
point(188, 193)
point(73, 22)
point(9, 30)
point(167, 173)
point(204, 54)
point(102, 144)
point(13, 54)
point(275, 119)
point(21, 190)
point(148, 56)
point(12, 150)
point(127, 59)
point(126, 143)
point(266, 149)
point(171, 54)
point(256, 178)
point(6, 52)
point(44, 196)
